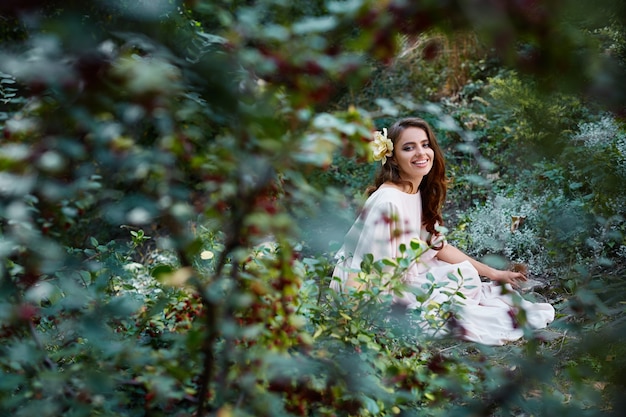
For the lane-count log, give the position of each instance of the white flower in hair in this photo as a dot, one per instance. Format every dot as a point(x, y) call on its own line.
point(382, 146)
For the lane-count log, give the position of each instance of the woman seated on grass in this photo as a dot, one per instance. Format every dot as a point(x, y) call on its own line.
point(405, 204)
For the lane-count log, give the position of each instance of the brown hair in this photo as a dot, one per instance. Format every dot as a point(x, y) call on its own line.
point(433, 187)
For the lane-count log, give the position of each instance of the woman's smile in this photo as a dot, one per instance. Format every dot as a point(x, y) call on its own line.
point(413, 155)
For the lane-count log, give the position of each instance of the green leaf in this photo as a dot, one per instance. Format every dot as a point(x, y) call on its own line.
point(8, 382)
point(161, 270)
point(389, 262)
point(315, 25)
point(371, 405)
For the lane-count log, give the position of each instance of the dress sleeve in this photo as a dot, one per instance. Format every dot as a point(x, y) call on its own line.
point(437, 240)
point(376, 231)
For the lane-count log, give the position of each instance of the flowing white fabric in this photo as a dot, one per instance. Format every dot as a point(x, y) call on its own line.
point(390, 218)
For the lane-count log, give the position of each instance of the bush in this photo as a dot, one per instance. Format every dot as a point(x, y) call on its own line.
point(492, 229)
point(156, 162)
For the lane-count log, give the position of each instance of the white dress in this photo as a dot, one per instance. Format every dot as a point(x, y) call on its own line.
point(390, 218)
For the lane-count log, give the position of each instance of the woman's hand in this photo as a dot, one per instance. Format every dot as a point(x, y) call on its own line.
point(453, 255)
point(508, 277)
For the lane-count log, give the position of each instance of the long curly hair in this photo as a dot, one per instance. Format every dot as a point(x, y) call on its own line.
point(434, 185)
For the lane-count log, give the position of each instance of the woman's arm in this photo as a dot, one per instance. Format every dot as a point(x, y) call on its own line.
point(453, 255)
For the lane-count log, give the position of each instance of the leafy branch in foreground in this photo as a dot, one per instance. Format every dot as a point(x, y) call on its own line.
point(204, 125)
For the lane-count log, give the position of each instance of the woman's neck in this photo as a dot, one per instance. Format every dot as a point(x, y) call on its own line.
point(406, 187)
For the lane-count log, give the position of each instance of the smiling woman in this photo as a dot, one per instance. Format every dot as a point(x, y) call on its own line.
point(404, 206)
point(414, 156)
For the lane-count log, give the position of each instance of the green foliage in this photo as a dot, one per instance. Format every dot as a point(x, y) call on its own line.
point(536, 121)
point(10, 100)
point(488, 229)
point(165, 167)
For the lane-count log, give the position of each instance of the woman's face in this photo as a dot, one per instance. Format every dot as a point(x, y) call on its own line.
point(413, 154)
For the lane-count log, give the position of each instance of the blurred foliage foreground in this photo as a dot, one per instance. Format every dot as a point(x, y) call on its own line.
point(159, 159)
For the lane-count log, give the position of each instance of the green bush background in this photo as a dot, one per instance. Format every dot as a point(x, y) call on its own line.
point(177, 176)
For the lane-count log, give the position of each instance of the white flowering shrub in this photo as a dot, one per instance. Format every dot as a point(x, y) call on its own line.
point(606, 137)
point(604, 145)
point(557, 230)
point(487, 230)
point(598, 134)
